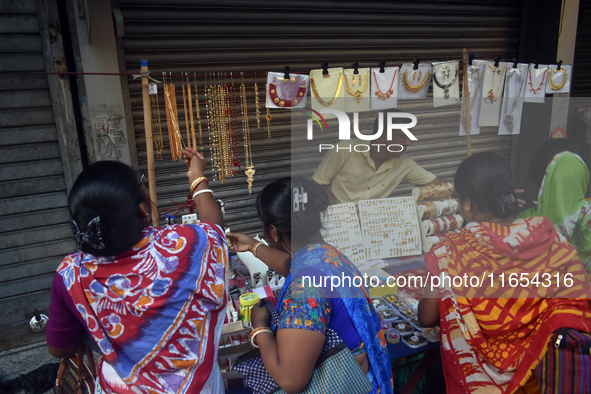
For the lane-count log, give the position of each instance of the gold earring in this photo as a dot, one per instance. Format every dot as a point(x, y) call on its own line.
point(353, 80)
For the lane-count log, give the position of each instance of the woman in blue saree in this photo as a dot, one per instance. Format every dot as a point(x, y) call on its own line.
point(290, 211)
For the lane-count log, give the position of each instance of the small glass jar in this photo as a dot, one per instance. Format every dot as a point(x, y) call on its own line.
point(247, 301)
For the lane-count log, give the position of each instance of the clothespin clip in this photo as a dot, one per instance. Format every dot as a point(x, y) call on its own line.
point(286, 73)
point(324, 67)
point(514, 62)
point(416, 63)
point(169, 219)
point(497, 61)
point(470, 58)
point(382, 66)
point(355, 68)
point(559, 65)
point(536, 64)
point(299, 197)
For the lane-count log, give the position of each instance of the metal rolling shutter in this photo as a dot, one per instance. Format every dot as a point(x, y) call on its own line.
point(260, 36)
point(35, 232)
point(582, 66)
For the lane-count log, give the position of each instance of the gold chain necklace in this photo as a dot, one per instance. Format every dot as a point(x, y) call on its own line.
point(336, 94)
point(493, 96)
point(415, 88)
point(553, 85)
point(357, 94)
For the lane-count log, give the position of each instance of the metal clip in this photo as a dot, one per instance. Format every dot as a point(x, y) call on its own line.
point(299, 197)
point(558, 340)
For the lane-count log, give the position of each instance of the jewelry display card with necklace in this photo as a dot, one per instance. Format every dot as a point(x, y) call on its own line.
point(446, 86)
point(328, 90)
point(558, 79)
point(515, 84)
point(357, 90)
point(492, 93)
point(340, 228)
point(384, 88)
point(286, 93)
point(390, 227)
point(474, 102)
point(414, 84)
point(535, 92)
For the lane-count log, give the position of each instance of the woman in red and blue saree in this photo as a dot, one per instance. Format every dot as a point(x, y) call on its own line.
point(495, 331)
point(292, 221)
point(152, 299)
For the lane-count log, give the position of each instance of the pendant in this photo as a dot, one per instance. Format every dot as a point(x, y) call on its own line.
point(446, 93)
point(508, 122)
point(249, 177)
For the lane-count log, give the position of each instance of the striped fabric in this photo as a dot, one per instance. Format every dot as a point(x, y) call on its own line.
point(494, 335)
point(566, 368)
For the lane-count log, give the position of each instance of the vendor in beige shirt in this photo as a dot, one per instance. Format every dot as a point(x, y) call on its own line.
point(350, 176)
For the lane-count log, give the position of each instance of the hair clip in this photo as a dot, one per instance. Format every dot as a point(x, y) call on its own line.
point(508, 198)
point(497, 61)
point(299, 197)
point(416, 62)
point(382, 66)
point(92, 235)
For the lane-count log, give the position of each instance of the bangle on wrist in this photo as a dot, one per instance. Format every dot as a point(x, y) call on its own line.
point(255, 247)
point(198, 192)
point(256, 332)
point(197, 181)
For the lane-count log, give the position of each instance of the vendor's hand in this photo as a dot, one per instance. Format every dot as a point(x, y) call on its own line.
point(260, 315)
point(240, 242)
point(519, 200)
point(196, 163)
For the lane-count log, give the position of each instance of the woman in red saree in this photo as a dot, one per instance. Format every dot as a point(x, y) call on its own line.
point(520, 282)
point(151, 298)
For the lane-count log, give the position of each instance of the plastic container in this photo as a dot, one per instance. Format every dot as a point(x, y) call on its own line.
point(402, 326)
point(392, 335)
point(414, 340)
point(247, 301)
point(388, 314)
point(379, 303)
point(407, 313)
point(386, 325)
point(432, 334)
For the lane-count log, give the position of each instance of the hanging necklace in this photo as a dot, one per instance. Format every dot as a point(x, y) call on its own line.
point(174, 133)
point(357, 94)
point(445, 87)
point(198, 115)
point(246, 135)
point(381, 95)
point(493, 96)
point(415, 88)
point(508, 118)
point(257, 105)
point(479, 78)
point(551, 82)
point(156, 123)
point(287, 102)
point(531, 84)
point(336, 94)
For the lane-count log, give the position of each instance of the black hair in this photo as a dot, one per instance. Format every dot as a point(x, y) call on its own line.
point(109, 190)
point(275, 205)
point(486, 180)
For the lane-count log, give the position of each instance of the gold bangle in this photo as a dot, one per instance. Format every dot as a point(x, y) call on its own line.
point(256, 332)
point(196, 183)
point(255, 247)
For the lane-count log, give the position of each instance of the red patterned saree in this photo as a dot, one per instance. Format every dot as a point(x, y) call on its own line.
point(157, 311)
point(495, 329)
